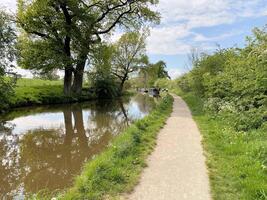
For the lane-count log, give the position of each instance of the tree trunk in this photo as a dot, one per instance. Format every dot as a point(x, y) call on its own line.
point(79, 126)
point(78, 75)
point(67, 81)
point(69, 135)
point(124, 112)
point(122, 83)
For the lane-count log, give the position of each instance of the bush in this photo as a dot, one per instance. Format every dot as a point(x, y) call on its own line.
point(105, 88)
point(251, 119)
point(162, 83)
point(6, 91)
point(233, 81)
point(184, 83)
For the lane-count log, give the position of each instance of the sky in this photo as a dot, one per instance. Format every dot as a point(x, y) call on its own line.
point(199, 24)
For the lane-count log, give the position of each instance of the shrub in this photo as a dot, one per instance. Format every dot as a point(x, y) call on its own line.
point(6, 91)
point(251, 119)
point(233, 81)
point(105, 88)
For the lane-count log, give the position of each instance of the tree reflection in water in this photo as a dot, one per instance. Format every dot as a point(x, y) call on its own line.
point(48, 158)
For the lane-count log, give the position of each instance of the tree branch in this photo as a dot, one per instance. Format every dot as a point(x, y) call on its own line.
point(118, 18)
point(114, 24)
point(111, 9)
point(68, 29)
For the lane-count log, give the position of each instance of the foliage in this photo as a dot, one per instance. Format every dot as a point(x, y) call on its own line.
point(7, 42)
point(233, 82)
point(101, 80)
point(118, 168)
point(152, 72)
point(159, 69)
point(105, 87)
point(6, 91)
point(162, 83)
point(7, 56)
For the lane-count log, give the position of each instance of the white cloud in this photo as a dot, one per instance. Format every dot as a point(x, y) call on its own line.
point(23, 72)
point(175, 73)
point(11, 5)
point(168, 40)
point(180, 17)
point(201, 13)
point(202, 38)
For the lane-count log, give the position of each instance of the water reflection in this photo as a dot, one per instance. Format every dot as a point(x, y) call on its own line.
point(47, 148)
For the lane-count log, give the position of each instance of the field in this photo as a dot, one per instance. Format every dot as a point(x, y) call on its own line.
point(37, 92)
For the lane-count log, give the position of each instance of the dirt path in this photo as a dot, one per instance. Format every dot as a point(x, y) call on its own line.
point(176, 169)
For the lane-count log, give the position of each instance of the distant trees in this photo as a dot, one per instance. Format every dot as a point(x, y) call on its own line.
point(8, 41)
point(60, 34)
point(152, 72)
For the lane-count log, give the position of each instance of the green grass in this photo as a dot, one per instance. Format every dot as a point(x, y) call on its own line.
point(118, 169)
point(38, 92)
point(237, 161)
point(26, 82)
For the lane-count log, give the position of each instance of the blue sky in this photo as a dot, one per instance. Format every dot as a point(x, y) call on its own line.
point(224, 35)
point(200, 24)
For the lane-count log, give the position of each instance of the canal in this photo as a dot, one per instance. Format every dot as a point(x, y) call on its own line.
point(44, 148)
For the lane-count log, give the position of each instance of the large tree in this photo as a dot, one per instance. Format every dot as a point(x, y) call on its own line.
point(61, 33)
point(129, 56)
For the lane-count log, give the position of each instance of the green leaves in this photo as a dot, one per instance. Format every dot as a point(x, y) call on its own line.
point(128, 57)
point(233, 81)
point(7, 42)
point(8, 54)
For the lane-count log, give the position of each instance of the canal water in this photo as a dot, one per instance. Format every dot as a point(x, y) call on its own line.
point(44, 148)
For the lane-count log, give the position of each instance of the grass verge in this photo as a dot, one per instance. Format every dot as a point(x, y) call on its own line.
point(118, 169)
point(237, 161)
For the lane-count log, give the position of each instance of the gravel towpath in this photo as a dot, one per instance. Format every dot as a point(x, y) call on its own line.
point(176, 169)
